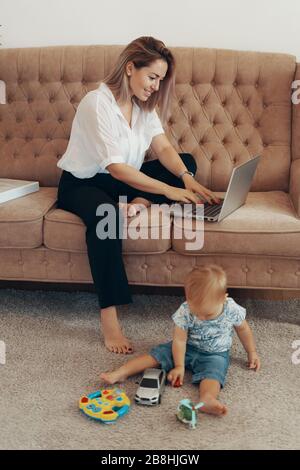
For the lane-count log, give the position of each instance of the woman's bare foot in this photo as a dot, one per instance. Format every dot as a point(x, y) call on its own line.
point(213, 406)
point(141, 200)
point(134, 207)
point(113, 377)
point(114, 339)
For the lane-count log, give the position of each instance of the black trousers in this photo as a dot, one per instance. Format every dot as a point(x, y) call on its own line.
point(83, 196)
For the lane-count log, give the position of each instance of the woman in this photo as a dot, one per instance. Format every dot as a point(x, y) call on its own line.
point(113, 127)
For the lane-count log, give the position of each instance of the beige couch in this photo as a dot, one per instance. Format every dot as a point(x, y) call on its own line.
point(230, 106)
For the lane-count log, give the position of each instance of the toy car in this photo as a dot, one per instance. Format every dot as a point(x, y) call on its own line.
point(151, 387)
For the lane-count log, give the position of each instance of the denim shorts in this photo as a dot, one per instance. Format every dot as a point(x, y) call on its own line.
point(204, 365)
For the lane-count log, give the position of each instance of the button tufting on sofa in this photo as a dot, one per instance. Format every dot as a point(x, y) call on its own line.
point(263, 232)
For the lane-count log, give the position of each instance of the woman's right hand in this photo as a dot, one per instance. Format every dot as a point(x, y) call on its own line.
point(181, 195)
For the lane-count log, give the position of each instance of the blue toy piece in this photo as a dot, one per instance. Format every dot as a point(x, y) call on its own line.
point(105, 405)
point(187, 412)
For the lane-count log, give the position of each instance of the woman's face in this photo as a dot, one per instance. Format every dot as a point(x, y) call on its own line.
point(145, 81)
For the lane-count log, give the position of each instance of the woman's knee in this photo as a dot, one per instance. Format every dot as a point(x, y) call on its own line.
point(189, 162)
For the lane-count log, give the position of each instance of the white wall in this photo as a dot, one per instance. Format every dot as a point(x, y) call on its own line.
point(261, 25)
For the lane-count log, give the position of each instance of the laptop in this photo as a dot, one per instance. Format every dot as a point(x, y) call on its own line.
point(236, 194)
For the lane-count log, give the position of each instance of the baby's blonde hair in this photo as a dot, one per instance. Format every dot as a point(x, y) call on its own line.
point(204, 281)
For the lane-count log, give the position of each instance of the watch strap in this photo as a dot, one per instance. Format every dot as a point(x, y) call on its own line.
point(186, 172)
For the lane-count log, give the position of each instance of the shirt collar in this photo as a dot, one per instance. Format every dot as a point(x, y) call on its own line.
point(107, 91)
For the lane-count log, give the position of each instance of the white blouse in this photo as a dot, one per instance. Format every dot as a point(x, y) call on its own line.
point(101, 135)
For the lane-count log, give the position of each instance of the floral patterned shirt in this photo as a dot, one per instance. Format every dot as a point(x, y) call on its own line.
point(210, 335)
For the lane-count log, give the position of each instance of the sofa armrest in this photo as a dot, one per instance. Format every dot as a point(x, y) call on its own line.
point(294, 189)
point(295, 185)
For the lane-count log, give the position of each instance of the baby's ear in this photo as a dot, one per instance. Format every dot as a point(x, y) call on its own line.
point(226, 295)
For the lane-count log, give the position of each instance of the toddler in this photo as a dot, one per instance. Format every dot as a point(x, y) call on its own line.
point(202, 337)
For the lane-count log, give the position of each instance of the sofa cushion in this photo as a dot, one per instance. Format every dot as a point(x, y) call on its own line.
point(21, 219)
point(265, 225)
point(66, 231)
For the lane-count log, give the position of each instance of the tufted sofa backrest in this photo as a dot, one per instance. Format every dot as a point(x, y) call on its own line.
point(230, 106)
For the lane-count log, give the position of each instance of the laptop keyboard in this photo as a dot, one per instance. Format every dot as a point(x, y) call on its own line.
point(210, 210)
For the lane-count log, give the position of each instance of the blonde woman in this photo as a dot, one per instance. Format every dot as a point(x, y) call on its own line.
point(113, 127)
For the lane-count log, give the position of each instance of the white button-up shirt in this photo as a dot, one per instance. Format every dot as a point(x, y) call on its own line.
point(101, 135)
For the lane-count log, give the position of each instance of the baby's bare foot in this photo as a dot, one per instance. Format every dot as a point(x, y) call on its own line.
point(112, 377)
point(213, 406)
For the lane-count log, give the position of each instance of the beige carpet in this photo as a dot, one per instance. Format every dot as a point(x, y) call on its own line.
point(55, 354)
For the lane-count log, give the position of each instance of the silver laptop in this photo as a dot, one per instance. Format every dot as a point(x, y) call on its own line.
point(235, 197)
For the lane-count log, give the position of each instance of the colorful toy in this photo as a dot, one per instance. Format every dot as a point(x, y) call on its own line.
point(177, 382)
point(105, 405)
point(186, 412)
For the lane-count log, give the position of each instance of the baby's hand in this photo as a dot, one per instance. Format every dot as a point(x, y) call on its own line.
point(175, 376)
point(253, 361)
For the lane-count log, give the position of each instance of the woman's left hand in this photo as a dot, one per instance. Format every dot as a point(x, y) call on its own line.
point(204, 193)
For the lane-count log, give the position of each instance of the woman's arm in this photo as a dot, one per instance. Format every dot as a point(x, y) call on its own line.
point(135, 178)
point(170, 159)
point(138, 180)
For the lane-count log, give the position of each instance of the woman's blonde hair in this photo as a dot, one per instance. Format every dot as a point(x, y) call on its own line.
point(142, 52)
point(204, 281)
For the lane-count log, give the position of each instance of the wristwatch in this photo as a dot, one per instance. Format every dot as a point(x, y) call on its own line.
point(185, 172)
